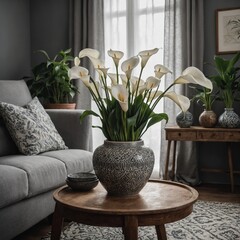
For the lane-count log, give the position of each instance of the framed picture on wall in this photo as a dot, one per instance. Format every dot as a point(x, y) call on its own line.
point(228, 30)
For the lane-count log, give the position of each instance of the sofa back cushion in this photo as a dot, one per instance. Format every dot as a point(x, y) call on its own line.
point(15, 92)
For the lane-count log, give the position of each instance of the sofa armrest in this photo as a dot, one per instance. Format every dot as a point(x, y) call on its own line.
point(75, 134)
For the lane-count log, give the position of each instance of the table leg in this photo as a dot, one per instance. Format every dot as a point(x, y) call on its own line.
point(130, 228)
point(167, 160)
point(230, 163)
point(174, 159)
point(57, 223)
point(161, 232)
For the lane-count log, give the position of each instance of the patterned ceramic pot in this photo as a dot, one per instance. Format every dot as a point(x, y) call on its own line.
point(229, 119)
point(184, 119)
point(208, 119)
point(123, 168)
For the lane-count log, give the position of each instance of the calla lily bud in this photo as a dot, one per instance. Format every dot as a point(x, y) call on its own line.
point(76, 61)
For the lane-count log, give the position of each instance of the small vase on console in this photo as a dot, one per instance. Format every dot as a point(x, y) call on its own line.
point(229, 119)
point(208, 119)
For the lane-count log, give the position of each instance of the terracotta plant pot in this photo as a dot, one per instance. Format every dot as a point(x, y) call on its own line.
point(60, 106)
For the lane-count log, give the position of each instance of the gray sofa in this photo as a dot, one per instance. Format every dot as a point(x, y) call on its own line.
point(28, 182)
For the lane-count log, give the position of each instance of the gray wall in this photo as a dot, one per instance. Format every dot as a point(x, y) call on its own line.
point(14, 39)
point(215, 154)
point(49, 27)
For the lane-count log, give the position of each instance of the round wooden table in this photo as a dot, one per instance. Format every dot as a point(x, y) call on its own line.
point(158, 203)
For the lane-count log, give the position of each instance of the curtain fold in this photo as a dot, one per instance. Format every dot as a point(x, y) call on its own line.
point(183, 47)
point(86, 30)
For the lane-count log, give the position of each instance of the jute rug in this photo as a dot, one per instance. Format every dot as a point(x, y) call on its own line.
point(209, 220)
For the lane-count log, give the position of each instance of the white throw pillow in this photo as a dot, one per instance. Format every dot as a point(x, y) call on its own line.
point(31, 128)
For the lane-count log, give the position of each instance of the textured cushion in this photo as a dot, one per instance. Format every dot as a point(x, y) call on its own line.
point(31, 128)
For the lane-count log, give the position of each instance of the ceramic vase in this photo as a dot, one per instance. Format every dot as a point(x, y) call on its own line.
point(208, 119)
point(123, 168)
point(184, 119)
point(229, 119)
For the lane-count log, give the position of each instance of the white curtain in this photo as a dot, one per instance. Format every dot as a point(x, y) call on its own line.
point(132, 26)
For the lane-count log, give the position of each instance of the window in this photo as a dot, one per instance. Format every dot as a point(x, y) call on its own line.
point(132, 26)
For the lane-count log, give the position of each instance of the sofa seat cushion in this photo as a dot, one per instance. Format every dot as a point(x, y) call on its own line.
point(44, 173)
point(75, 160)
point(13, 185)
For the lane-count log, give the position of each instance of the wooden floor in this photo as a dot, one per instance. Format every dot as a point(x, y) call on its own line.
point(207, 192)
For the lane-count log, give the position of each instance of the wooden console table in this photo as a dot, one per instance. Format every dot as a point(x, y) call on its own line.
point(200, 134)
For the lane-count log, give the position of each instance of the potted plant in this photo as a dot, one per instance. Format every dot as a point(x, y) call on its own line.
point(50, 81)
point(227, 81)
point(126, 110)
point(206, 98)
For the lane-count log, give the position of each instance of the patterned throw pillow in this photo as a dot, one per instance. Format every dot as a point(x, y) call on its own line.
point(31, 128)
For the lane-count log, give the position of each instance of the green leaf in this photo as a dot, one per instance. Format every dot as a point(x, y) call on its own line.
point(87, 113)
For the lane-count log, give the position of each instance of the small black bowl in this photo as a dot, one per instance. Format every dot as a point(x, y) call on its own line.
point(82, 177)
point(82, 185)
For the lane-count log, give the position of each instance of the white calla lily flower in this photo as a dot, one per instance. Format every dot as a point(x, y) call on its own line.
point(89, 52)
point(182, 101)
point(120, 93)
point(104, 71)
point(146, 54)
point(77, 72)
point(152, 82)
point(128, 65)
point(160, 70)
point(115, 55)
point(195, 76)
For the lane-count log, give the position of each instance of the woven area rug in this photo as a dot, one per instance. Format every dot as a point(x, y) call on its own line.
point(209, 220)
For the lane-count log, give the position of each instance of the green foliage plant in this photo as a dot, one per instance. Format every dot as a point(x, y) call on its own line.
point(204, 96)
point(227, 79)
point(50, 80)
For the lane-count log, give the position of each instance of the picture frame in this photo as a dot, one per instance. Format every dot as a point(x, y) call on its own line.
point(227, 30)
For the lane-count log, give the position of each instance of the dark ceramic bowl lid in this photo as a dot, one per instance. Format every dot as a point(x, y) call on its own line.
point(82, 177)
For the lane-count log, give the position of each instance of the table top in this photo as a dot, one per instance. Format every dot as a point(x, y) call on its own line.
point(203, 129)
point(156, 197)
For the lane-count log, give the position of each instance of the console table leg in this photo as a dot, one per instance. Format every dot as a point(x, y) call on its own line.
point(57, 223)
point(174, 159)
point(230, 163)
point(161, 232)
point(130, 228)
point(167, 160)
